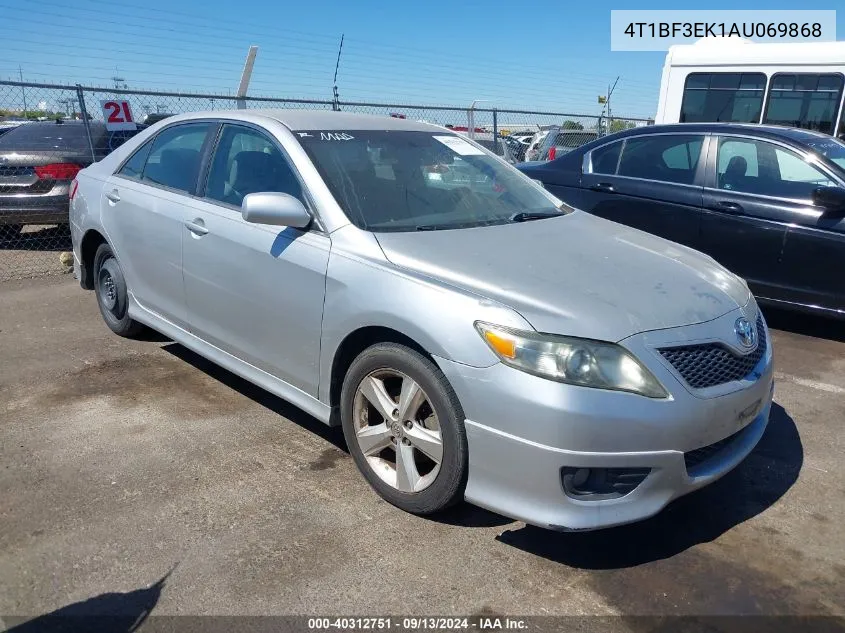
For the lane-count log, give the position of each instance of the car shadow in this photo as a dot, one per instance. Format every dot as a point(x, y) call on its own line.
point(756, 484)
point(463, 514)
point(112, 612)
point(332, 434)
point(36, 238)
point(804, 323)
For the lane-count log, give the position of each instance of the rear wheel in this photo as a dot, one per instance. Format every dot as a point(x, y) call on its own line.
point(112, 295)
point(404, 428)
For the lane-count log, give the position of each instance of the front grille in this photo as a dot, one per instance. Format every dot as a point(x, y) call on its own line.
point(714, 364)
point(701, 455)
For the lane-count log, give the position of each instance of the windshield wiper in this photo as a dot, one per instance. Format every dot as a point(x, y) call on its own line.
point(525, 216)
point(434, 227)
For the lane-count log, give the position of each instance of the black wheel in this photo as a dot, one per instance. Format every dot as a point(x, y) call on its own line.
point(112, 297)
point(404, 427)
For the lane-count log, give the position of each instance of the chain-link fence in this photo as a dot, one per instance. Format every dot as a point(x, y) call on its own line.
point(48, 132)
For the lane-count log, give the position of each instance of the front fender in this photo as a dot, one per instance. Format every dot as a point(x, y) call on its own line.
point(363, 292)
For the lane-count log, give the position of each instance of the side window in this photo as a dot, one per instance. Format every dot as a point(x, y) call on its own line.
point(667, 158)
point(174, 159)
point(604, 159)
point(804, 100)
point(801, 175)
point(737, 166)
point(767, 169)
point(734, 97)
point(134, 167)
point(247, 161)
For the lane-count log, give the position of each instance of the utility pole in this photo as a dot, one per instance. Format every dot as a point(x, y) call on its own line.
point(246, 75)
point(117, 79)
point(23, 91)
point(335, 97)
point(605, 99)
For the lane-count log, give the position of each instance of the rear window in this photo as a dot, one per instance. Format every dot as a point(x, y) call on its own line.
point(48, 136)
point(64, 137)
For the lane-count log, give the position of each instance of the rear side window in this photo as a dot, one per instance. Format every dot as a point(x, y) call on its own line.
point(667, 158)
point(605, 159)
point(174, 158)
point(134, 167)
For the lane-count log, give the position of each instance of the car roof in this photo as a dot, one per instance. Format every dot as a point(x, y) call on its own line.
point(757, 129)
point(315, 119)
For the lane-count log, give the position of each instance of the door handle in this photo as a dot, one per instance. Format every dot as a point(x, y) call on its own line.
point(605, 187)
point(113, 196)
point(728, 207)
point(197, 226)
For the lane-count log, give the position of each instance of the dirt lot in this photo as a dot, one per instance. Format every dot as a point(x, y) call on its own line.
point(121, 461)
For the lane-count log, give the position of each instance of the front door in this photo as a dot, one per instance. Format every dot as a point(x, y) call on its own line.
point(749, 202)
point(255, 291)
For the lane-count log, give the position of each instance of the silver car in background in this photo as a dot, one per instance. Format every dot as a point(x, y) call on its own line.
point(475, 338)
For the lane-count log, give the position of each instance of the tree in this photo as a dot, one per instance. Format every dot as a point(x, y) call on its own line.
point(571, 125)
point(617, 125)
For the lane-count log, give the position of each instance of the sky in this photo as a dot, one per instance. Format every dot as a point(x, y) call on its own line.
point(543, 55)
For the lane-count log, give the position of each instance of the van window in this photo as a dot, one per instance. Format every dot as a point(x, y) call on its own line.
point(804, 100)
point(728, 97)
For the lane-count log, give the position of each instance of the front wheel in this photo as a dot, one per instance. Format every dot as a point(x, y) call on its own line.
point(112, 295)
point(404, 427)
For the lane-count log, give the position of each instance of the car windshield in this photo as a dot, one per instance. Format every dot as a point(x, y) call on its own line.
point(831, 148)
point(389, 180)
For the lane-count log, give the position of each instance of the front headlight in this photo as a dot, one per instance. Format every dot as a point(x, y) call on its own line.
point(575, 361)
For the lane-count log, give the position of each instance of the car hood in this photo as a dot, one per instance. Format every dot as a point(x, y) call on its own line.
point(577, 275)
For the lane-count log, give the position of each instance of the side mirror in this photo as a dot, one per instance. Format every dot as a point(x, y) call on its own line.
point(831, 199)
point(280, 209)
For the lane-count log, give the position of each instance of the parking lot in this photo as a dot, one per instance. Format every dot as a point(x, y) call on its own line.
point(125, 461)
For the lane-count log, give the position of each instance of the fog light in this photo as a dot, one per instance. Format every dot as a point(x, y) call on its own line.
point(596, 484)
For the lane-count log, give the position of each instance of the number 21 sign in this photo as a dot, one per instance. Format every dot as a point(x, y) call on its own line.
point(117, 115)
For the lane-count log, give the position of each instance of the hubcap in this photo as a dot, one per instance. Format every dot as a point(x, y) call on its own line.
point(107, 290)
point(397, 430)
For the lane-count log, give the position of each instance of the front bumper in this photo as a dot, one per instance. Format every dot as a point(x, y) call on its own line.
point(522, 430)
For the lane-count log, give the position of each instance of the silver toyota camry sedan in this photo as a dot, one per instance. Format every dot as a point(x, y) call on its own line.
point(475, 337)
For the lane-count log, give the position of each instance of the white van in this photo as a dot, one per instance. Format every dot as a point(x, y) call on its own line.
point(736, 80)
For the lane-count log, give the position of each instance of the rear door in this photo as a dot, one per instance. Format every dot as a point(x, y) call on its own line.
point(144, 210)
point(650, 182)
point(748, 207)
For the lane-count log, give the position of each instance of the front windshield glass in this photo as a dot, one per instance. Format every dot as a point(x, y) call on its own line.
point(833, 149)
point(395, 180)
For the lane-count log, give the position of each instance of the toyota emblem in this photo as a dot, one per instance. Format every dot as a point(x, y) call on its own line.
point(746, 333)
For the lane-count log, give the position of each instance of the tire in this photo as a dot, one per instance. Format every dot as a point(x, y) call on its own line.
point(439, 414)
point(112, 295)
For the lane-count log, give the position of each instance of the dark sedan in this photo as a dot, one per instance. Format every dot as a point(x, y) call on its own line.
point(766, 202)
point(38, 162)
